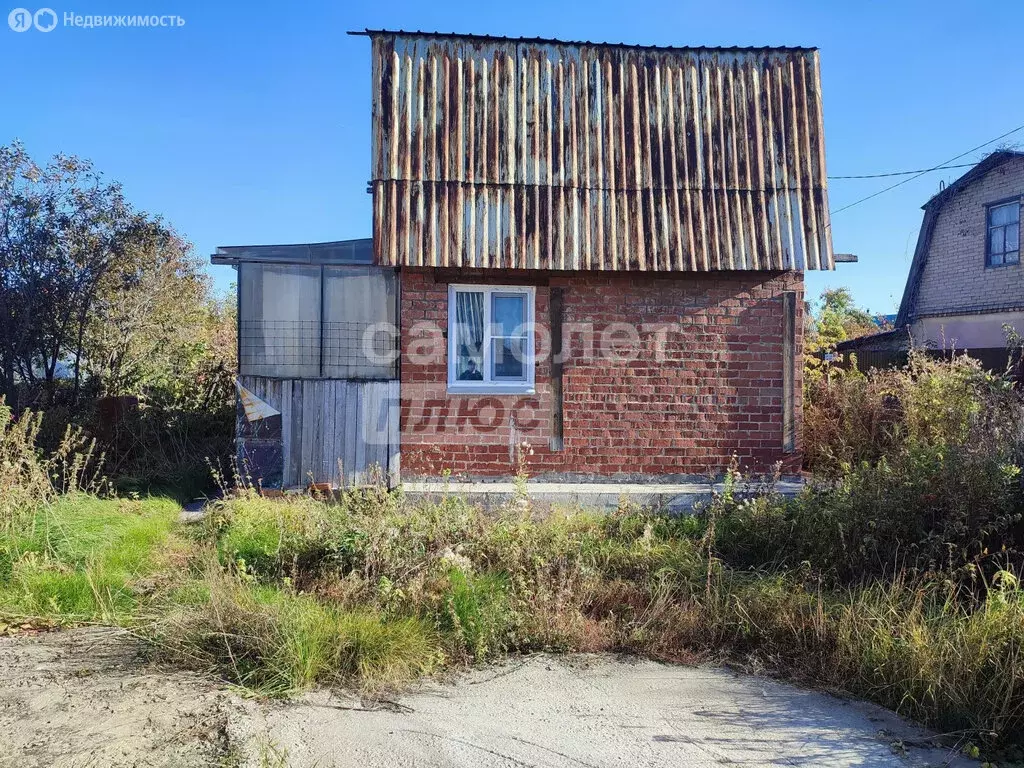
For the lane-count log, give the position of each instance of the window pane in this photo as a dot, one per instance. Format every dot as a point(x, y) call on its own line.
point(1013, 237)
point(469, 336)
point(1013, 257)
point(508, 359)
point(354, 299)
point(1001, 214)
point(995, 241)
point(279, 322)
point(508, 313)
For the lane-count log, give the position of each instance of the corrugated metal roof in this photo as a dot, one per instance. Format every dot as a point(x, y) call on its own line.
point(535, 154)
point(335, 252)
point(556, 41)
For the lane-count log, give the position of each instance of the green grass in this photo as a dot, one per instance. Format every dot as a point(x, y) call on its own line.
point(479, 617)
point(270, 539)
point(280, 596)
point(80, 558)
point(275, 641)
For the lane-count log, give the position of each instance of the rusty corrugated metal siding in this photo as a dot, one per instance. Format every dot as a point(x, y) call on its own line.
point(498, 153)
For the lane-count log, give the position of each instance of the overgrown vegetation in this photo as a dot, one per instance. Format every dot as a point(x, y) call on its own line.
point(109, 324)
point(371, 590)
point(28, 477)
point(918, 468)
point(66, 554)
point(892, 578)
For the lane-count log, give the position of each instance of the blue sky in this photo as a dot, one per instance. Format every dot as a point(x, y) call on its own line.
point(250, 123)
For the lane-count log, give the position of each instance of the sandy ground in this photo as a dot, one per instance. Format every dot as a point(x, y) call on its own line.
point(90, 698)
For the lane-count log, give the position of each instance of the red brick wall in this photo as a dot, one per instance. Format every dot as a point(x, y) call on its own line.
point(701, 380)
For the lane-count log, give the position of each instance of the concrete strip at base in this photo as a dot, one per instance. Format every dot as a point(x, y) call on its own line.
point(671, 497)
point(590, 711)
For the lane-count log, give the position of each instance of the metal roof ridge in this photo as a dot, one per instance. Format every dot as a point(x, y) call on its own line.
point(556, 41)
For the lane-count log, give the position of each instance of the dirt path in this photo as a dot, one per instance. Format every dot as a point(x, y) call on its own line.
point(90, 698)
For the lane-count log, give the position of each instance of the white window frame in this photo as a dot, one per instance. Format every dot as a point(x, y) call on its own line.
point(488, 385)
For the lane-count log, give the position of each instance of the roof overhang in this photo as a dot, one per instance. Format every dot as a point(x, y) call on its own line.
point(337, 252)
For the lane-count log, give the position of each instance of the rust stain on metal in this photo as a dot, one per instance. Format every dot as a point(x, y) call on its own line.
point(538, 154)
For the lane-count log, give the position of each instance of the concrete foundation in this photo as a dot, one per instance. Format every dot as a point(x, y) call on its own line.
point(669, 497)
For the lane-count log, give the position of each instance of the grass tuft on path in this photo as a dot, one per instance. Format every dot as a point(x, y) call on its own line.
point(79, 558)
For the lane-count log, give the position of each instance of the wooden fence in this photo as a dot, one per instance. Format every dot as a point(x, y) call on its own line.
point(330, 431)
point(995, 359)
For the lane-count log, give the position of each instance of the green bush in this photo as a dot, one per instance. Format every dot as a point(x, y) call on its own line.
point(270, 539)
point(942, 402)
point(917, 470)
point(932, 512)
point(277, 641)
point(477, 614)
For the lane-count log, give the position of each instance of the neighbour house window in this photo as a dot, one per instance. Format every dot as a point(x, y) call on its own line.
point(1003, 245)
point(490, 339)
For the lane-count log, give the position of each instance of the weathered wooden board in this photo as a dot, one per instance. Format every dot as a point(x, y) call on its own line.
point(332, 430)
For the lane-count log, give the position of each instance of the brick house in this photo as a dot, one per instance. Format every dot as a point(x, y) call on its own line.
point(966, 281)
point(596, 254)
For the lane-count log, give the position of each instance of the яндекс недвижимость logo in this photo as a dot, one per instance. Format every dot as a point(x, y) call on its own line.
point(45, 20)
point(22, 19)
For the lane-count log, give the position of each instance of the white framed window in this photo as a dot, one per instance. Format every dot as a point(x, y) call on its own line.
point(490, 339)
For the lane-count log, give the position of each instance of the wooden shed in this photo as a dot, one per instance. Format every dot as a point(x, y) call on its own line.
point(316, 345)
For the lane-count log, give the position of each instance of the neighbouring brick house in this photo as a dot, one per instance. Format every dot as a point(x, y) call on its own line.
point(596, 253)
point(966, 281)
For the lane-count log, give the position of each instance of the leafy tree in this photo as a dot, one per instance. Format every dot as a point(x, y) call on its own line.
point(148, 326)
point(839, 319)
point(835, 319)
point(98, 298)
point(90, 286)
point(61, 230)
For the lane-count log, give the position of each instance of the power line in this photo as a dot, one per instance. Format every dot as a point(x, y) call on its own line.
point(927, 170)
point(903, 173)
